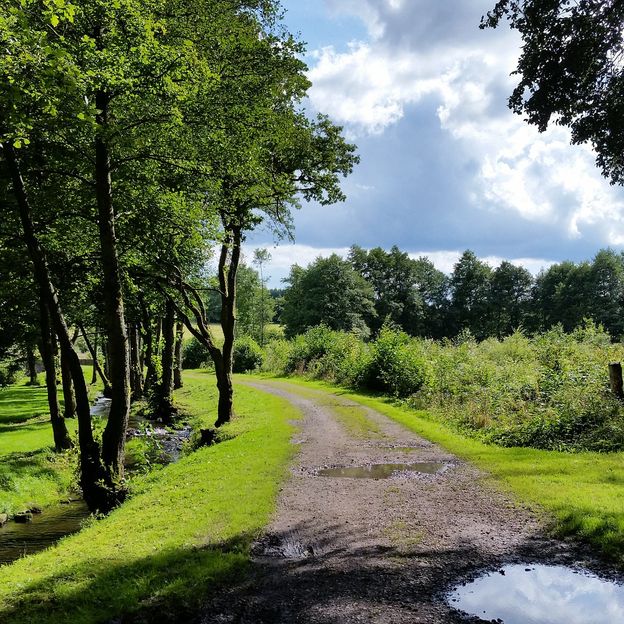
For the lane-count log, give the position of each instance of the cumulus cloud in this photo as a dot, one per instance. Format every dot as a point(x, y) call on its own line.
point(426, 50)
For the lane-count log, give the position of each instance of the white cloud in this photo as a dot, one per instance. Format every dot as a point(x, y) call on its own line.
point(284, 256)
point(431, 49)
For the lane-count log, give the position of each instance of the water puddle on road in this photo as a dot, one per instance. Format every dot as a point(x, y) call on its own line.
point(381, 471)
point(45, 529)
point(540, 594)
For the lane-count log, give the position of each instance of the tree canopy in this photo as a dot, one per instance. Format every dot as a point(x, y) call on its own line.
point(571, 70)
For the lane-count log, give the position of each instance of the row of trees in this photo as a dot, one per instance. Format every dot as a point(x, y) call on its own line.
point(369, 288)
point(138, 138)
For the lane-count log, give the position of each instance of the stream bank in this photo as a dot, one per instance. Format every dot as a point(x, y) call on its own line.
point(36, 529)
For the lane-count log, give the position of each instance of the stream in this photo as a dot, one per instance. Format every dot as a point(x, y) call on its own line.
point(47, 528)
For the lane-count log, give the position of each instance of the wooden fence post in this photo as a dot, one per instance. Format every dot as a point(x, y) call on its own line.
point(615, 379)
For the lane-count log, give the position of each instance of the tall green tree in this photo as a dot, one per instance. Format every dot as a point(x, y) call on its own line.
point(469, 286)
point(331, 292)
point(510, 296)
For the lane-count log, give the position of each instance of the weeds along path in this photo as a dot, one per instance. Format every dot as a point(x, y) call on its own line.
point(373, 550)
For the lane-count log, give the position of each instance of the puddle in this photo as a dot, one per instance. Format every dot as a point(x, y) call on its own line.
point(381, 471)
point(539, 594)
point(17, 540)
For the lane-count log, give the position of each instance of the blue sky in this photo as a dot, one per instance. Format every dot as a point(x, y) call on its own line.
point(445, 166)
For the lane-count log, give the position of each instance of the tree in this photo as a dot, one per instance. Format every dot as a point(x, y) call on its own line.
point(510, 294)
point(329, 291)
point(470, 284)
point(261, 257)
point(606, 291)
point(255, 306)
point(393, 278)
point(571, 70)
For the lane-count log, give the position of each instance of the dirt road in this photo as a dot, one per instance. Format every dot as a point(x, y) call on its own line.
point(349, 550)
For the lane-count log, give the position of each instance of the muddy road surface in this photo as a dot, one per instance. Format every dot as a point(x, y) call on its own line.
point(383, 547)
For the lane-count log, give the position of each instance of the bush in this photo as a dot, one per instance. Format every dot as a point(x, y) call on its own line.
point(195, 354)
point(9, 370)
point(547, 392)
point(247, 355)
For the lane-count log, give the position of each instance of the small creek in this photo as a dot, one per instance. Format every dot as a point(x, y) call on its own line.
point(47, 528)
point(541, 594)
point(381, 471)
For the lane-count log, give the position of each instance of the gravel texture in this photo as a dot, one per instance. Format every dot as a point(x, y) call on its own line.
point(345, 550)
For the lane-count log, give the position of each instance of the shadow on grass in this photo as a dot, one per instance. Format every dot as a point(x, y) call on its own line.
point(20, 403)
point(168, 587)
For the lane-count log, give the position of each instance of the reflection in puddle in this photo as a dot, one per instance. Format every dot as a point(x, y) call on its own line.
point(539, 594)
point(381, 471)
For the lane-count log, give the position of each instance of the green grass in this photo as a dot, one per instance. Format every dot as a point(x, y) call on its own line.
point(30, 471)
point(185, 531)
point(582, 493)
point(20, 402)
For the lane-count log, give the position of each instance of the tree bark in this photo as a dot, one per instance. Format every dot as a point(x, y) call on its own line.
point(69, 398)
point(177, 370)
point(108, 391)
point(227, 282)
point(147, 333)
point(62, 440)
point(114, 436)
point(164, 409)
point(98, 492)
point(94, 372)
point(136, 370)
point(32, 367)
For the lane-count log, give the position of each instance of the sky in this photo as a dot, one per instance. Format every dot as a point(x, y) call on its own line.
point(445, 165)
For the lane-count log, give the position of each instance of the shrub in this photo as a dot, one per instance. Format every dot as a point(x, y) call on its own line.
point(548, 392)
point(195, 354)
point(247, 355)
point(9, 370)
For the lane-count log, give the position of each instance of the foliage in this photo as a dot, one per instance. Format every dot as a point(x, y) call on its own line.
point(255, 307)
point(571, 70)
point(547, 392)
point(195, 354)
point(247, 355)
point(328, 291)
point(9, 370)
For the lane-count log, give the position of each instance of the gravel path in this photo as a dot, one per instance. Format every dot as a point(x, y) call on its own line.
point(374, 550)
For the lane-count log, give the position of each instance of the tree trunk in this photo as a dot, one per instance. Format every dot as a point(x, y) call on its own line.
point(32, 367)
point(136, 370)
point(177, 370)
point(62, 441)
point(99, 493)
point(69, 399)
point(108, 391)
point(94, 355)
point(227, 283)
point(114, 436)
point(164, 409)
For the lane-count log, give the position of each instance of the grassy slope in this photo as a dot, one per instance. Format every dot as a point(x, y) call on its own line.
point(583, 492)
point(30, 471)
point(186, 528)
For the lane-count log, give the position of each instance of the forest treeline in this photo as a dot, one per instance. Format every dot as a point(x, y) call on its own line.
point(370, 288)
point(137, 140)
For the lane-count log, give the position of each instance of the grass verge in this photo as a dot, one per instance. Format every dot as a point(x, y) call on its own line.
point(583, 493)
point(186, 529)
point(31, 473)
